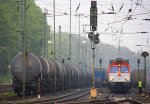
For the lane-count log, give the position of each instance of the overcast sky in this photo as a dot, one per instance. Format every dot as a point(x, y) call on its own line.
point(126, 24)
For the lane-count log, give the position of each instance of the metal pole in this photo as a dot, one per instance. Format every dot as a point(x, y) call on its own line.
point(70, 58)
point(24, 45)
point(119, 48)
point(93, 62)
point(145, 54)
point(145, 73)
point(79, 38)
point(21, 24)
point(85, 55)
point(138, 61)
point(63, 76)
point(93, 69)
point(60, 43)
point(85, 50)
point(1, 65)
point(50, 43)
point(44, 32)
point(54, 41)
point(70, 37)
point(85, 44)
point(54, 30)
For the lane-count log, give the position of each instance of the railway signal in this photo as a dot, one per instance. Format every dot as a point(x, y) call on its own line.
point(100, 61)
point(93, 37)
point(93, 16)
point(96, 39)
point(90, 36)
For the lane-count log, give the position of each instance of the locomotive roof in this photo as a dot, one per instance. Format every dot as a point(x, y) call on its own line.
point(119, 60)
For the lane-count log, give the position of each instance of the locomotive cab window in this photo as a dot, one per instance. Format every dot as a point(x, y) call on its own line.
point(124, 69)
point(114, 69)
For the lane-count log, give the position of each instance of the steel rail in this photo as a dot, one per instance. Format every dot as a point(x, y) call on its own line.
point(63, 98)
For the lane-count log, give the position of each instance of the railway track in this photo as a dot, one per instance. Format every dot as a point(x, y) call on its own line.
point(123, 98)
point(5, 87)
point(112, 99)
point(74, 97)
point(46, 99)
point(62, 99)
point(12, 97)
point(6, 92)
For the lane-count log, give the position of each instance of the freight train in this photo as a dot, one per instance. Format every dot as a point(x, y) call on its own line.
point(100, 77)
point(39, 74)
point(119, 75)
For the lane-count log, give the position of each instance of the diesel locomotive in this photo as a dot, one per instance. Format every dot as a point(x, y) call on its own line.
point(119, 75)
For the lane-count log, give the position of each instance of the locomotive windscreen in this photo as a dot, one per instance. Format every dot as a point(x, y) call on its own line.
point(124, 69)
point(114, 69)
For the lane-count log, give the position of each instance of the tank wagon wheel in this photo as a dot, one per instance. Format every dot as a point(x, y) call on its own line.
point(39, 84)
point(27, 93)
point(18, 93)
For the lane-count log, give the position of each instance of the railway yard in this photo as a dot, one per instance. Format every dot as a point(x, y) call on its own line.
point(103, 64)
point(79, 96)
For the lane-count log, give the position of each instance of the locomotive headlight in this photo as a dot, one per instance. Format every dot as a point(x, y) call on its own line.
point(126, 79)
point(113, 79)
point(119, 65)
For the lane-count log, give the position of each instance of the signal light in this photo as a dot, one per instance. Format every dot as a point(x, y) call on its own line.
point(93, 16)
point(93, 4)
point(91, 35)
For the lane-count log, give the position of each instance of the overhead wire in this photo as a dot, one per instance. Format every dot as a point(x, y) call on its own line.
point(115, 36)
point(139, 4)
point(76, 3)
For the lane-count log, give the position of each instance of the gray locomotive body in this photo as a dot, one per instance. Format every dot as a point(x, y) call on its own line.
point(41, 74)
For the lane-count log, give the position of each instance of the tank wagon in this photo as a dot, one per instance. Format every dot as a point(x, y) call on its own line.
point(43, 74)
point(119, 75)
point(101, 77)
